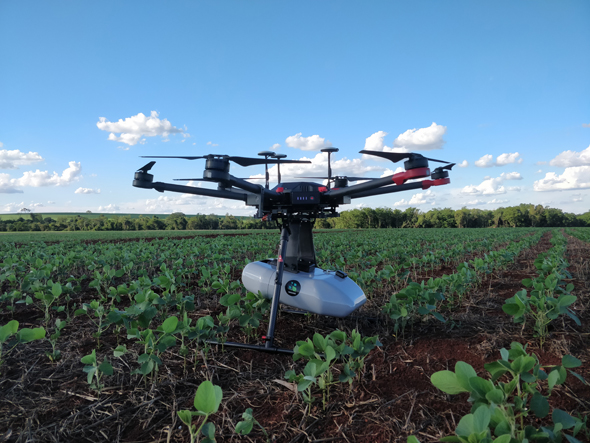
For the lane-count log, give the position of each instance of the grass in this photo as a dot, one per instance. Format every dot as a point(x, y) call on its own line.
point(57, 236)
point(92, 215)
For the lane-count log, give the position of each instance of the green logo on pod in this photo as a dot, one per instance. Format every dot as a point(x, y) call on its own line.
point(293, 287)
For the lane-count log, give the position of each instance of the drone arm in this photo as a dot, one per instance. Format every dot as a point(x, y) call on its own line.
point(245, 185)
point(424, 184)
point(161, 187)
point(361, 187)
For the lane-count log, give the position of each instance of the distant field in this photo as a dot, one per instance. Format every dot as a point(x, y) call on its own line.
point(56, 215)
point(52, 236)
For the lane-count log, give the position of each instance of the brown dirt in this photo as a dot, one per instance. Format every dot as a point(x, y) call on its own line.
point(393, 398)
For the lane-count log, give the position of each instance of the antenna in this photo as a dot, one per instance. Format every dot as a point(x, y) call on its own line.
point(329, 151)
point(279, 157)
point(266, 154)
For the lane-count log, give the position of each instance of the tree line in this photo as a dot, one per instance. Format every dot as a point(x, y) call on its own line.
point(524, 215)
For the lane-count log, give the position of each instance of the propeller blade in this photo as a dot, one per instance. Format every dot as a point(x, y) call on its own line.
point(246, 161)
point(393, 156)
point(192, 179)
point(435, 160)
point(147, 167)
point(173, 156)
point(449, 167)
point(354, 179)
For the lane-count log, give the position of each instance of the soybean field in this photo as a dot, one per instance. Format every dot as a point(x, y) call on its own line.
point(467, 335)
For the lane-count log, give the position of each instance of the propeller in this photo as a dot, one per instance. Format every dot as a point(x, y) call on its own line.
point(352, 179)
point(329, 151)
point(279, 157)
point(397, 156)
point(147, 167)
point(242, 161)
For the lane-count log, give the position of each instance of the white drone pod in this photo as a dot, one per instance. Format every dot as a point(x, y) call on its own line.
point(320, 292)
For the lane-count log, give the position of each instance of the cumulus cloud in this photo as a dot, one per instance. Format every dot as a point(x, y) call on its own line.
point(487, 161)
point(109, 208)
point(275, 147)
point(497, 201)
point(15, 158)
point(87, 191)
point(421, 198)
point(40, 178)
point(212, 144)
point(132, 129)
point(508, 158)
point(319, 167)
point(492, 185)
point(572, 158)
point(576, 177)
point(463, 164)
point(423, 139)
point(311, 143)
point(475, 202)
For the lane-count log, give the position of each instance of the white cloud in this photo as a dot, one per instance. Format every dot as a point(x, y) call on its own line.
point(572, 158)
point(577, 198)
point(132, 129)
point(491, 186)
point(508, 158)
point(375, 142)
point(1, 145)
point(13, 207)
point(463, 164)
point(475, 202)
point(275, 147)
point(421, 198)
point(319, 167)
point(125, 148)
point(585, 125)
point(423, 139)
point(540, 171)
point(311, 143)
point(87, 191)
point(576, 177)
point(511, 176)
point(109, 208)
point(40, 178)
point(390, 172)
point(487, 161)
point(212, 144)
point(15, 158)
point(497, 201)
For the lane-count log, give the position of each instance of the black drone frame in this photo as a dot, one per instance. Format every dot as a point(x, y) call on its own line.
point(296, 205)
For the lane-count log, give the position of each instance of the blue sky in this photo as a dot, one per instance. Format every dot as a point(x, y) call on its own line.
point(500, 87)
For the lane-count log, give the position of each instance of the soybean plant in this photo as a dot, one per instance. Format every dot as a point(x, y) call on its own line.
point(509, 410)
point(95, 370)
point(207, 400)
point(24, 335)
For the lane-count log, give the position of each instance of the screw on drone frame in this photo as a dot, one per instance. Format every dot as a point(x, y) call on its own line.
point(329, 151)
point(266, 154)
point(279, 157)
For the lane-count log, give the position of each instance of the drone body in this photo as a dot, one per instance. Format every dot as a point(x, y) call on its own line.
point(295, 206)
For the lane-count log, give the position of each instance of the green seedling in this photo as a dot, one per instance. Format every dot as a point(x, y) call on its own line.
point(508, 410)
point(48, 297)
point(207, 400)
point(96, 309)
point(55, 354)
point(245, 426)
point(96, 371)
point(155, 342)
point(24, 335)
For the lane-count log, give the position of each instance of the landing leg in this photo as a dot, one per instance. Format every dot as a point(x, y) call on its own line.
point(274, 307)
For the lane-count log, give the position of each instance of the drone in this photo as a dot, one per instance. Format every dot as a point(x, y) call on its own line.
point(295, 206)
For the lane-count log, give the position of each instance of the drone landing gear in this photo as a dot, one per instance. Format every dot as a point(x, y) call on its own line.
point(274, 307)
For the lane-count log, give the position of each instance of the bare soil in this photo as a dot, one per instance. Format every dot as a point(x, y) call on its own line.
point(393, 398)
